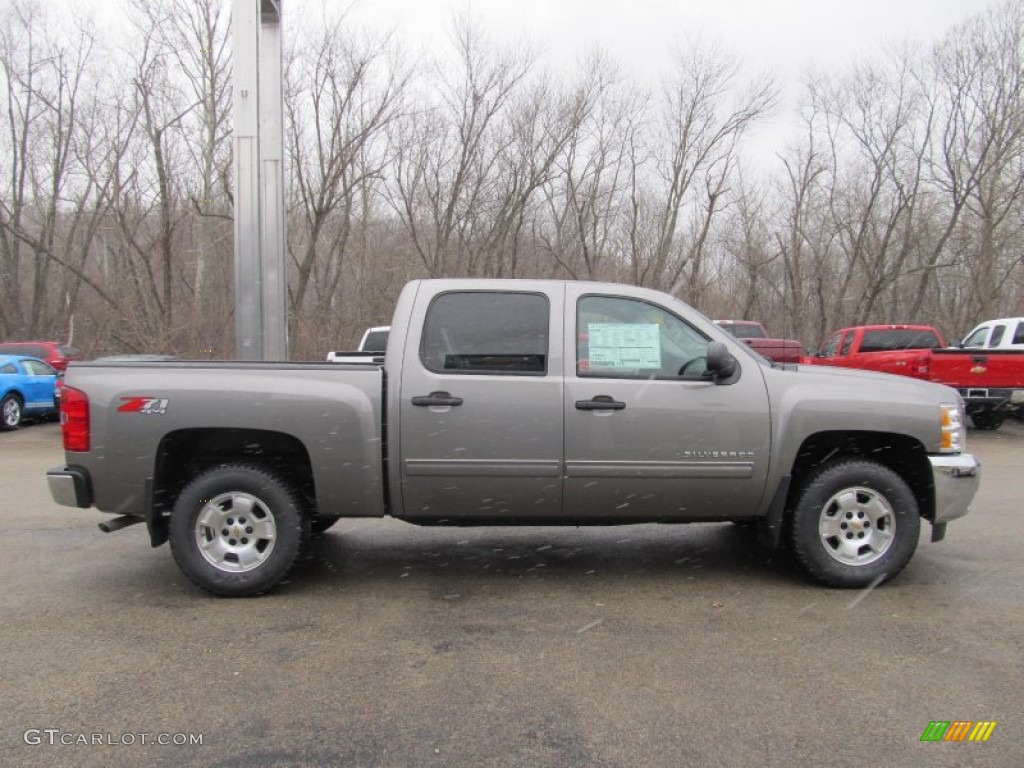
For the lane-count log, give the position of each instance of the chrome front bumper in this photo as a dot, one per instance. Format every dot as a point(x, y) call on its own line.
point(956, 480)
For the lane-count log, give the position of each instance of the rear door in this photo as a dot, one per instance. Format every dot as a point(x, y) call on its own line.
point(647, 436)
point(480, 406)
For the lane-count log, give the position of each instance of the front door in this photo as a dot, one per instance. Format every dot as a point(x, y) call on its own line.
point(481, 407)
point(647, 435)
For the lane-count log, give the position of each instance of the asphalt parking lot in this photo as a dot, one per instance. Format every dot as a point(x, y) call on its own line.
point(393, 645)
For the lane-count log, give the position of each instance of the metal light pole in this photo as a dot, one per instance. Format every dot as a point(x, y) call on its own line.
point(261, 310)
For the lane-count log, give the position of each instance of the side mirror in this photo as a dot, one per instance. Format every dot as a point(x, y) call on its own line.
point(720, 363)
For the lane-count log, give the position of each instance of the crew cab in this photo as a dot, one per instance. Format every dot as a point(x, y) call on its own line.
point(755, 336)
point(990, 381)
point(505, 402)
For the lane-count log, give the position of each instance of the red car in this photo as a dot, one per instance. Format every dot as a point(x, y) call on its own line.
point(53, 352)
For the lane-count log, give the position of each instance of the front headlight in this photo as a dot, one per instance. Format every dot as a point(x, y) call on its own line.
point(952, 418)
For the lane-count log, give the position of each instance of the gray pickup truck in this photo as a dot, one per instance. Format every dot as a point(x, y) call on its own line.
point(506, 402)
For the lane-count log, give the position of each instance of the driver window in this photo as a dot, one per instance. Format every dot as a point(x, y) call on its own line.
point(829, 350)
point(976, 339)
point(628, 338)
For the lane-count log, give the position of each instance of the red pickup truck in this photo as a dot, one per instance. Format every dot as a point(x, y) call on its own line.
point(754, 335)
point(991, 382)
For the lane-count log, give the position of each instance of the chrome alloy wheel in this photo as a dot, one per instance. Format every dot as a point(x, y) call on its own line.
point(12, 412)
point(857, 526)
point(235, 532)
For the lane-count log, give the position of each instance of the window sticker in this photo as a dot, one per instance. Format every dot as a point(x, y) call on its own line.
point(624, 345)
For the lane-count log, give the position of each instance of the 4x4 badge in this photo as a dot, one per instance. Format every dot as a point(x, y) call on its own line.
point(153, 406)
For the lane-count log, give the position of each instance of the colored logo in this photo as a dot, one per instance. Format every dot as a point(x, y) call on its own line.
point(153, 406)
point(958, 730)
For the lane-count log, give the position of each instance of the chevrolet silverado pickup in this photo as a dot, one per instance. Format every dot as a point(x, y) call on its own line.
point(991, 381)
point(505, 402)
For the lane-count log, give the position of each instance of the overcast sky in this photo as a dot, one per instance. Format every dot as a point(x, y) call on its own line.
point(783, 37)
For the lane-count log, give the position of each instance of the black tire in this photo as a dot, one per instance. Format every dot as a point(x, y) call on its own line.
point(253, 523)
point(987, 420)
point(855, 524)
point(10, 412)
point(321, 523)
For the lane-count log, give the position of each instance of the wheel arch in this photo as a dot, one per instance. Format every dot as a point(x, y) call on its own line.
point(185, 453)
point(904, 455)
point(17, 394)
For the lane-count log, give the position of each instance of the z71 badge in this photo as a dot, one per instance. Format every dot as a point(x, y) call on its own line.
point(153, 406)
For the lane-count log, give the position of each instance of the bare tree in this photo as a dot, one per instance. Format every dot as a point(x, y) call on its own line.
point(444, 180)
point(981, 66)
point(706, 110)
point(582, 219)
point(48, 206)
point(342, 95)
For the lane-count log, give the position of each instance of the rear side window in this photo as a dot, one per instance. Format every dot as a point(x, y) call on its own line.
point(486, 332)
point(1018, 336)
point(893, 339)
point(744, 330)
point(8, 368)
point(997, 335)
point(67, 351)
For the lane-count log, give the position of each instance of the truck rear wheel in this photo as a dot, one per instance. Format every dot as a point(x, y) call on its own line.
point(987, 420)
point(855, 524)
point(237, 530)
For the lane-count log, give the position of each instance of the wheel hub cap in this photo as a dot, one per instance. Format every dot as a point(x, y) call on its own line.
point(856, 526)
point(235, 532)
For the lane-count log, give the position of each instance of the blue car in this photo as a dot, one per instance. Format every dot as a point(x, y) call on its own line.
point(26, 389)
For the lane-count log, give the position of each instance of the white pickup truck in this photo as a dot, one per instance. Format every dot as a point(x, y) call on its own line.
point(1004, 333)
point(505, 402)
point(371, 349)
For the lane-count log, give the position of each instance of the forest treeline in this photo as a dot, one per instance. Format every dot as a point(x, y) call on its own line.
point(898, 198)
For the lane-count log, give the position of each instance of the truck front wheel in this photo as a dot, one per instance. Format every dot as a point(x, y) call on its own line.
point(237, 530)
point(854, 524)
point(987, 419)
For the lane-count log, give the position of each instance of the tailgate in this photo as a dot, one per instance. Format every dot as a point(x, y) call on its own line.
point(1003, 370)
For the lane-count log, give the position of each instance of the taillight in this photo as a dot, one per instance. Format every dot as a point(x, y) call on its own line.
point(921, 366)
point(74, 419)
